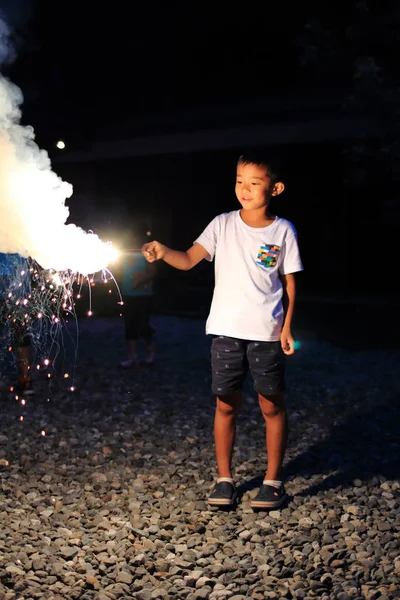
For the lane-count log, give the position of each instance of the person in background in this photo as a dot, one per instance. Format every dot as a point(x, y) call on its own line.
point(15, 286)
point(136, 279)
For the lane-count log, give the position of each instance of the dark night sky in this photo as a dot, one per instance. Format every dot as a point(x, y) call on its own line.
point(83, 67)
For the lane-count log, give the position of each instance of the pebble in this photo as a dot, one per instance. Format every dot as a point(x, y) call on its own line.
point(111, 502)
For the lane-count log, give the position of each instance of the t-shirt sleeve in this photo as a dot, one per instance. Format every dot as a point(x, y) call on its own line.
point(209, 238)
point(290, 256)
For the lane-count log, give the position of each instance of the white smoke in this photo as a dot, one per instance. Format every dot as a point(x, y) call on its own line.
point(33, 212)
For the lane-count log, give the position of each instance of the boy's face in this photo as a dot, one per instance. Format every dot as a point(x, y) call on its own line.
point(254, 187)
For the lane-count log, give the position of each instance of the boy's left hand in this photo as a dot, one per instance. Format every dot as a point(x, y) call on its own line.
point(287, 342)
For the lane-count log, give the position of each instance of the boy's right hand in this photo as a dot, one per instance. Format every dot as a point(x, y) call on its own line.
point(154, 251)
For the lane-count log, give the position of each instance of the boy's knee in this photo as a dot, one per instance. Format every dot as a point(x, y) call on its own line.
point(272, 406)
point(228, 406)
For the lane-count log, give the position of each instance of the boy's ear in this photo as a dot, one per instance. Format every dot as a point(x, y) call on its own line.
point(278, 188)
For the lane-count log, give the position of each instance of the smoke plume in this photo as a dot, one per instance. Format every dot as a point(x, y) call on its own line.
point(33, 212)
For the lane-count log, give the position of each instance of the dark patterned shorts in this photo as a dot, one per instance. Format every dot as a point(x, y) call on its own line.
point(137, 311)
point(232, 359)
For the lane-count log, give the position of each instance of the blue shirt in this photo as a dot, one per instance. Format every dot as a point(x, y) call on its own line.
point(133, 267)
point(14, 270)
point(12, 264)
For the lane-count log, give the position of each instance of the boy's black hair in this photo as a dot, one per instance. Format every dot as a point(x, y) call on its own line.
point(254, 157)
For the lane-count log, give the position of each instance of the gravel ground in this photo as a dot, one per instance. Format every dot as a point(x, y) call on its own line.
point(110, 502)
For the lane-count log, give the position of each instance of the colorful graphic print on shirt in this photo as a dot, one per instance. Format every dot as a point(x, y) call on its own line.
point(268, 255)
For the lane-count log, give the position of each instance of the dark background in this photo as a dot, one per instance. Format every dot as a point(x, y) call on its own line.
point(122, 71)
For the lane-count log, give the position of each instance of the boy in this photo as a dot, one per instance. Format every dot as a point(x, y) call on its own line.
point(256, 256)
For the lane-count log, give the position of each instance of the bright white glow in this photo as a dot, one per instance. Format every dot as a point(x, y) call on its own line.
point(60, 145)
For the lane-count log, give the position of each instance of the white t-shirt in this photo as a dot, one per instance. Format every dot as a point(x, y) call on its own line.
point(247, 299)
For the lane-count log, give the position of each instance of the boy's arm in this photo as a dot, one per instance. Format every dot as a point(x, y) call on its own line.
point(180, 260)
point(289, 298)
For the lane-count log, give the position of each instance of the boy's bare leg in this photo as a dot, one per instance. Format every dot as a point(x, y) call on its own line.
point(226, 411)
point(274, 413)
